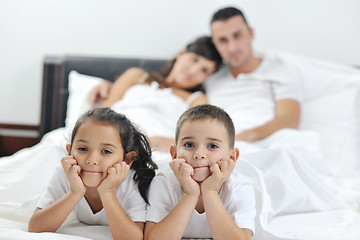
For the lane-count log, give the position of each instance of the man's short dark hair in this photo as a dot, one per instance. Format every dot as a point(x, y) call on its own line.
point(226, 13)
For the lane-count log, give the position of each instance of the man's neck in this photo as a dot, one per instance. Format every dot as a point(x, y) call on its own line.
point(249, 67)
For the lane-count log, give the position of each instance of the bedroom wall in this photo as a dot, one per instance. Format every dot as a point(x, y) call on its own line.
point(326, 29)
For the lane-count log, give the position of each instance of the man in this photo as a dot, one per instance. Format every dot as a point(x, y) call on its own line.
point(261, 94)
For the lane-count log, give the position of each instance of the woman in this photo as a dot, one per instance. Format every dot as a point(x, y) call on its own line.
point(154, 101)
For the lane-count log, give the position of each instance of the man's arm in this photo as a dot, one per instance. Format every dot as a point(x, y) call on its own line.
point(287, 116)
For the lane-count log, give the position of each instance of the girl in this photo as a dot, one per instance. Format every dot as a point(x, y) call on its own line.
point(107, 158)
point(166, 94)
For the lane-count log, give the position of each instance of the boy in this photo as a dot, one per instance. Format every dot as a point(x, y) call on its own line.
point(201, 197)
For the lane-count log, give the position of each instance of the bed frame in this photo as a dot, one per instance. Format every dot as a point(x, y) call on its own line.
point(56, 70)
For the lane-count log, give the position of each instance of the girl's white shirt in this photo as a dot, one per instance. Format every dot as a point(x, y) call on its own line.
point(127, 193)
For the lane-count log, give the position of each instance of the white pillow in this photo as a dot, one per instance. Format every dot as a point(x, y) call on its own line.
point(79, 88)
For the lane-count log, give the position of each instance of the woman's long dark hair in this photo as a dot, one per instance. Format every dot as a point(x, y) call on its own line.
point(202, 46)
point(131, 140)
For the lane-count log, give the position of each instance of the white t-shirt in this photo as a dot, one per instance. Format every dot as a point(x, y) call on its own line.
point(237, 195)
point(127, 194)
point(250, 99)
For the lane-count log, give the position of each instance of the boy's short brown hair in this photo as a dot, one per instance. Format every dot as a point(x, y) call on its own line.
point(208, 111)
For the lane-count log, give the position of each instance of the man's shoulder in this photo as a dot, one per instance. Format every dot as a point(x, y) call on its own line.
point(223, 73)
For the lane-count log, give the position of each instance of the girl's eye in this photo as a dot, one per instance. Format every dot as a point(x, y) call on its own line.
point(188, 145)
point(213, 146)
point(204, 70)
point(195, 59)
point(82, 149)
point(106, 151)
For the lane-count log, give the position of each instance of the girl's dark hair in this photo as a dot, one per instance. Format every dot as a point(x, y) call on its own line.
point(202, 46)
point(131, 140)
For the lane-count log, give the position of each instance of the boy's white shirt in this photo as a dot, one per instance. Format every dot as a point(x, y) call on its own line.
point(127, 193)
point(237, 195)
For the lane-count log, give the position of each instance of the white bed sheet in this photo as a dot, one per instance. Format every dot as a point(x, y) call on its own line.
point(294, 200)
point(306, 182)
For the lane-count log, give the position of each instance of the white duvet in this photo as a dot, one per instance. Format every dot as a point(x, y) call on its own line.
point(306, 182)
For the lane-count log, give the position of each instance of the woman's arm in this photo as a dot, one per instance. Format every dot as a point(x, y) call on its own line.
point(129, 78)
point(51, 218)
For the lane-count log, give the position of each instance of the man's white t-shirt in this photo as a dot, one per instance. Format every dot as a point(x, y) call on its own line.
point(127, 193)
point(237, 195)
point(250, 99)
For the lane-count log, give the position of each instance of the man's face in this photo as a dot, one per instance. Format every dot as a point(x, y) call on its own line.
point(232, 39)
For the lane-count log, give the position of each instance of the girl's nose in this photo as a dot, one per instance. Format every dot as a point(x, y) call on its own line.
point(92, 159)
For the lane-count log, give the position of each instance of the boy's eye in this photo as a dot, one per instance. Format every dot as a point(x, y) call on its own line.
point(82, 149)
point(188, 145)
point(106, 151)
point(213, 146)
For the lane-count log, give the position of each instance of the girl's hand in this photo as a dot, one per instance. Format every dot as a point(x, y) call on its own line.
point(115, 176)
point(72, 171)
point(220, 172)
point(183, 173)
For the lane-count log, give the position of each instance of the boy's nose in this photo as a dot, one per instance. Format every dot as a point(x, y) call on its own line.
point(199, 154)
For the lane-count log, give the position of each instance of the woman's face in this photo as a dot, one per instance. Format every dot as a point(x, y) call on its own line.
point(191, 70)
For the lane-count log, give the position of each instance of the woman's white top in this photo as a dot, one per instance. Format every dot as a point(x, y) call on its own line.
point(155, 111)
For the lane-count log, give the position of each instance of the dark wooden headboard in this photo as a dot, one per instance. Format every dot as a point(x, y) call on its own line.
point(56, 70)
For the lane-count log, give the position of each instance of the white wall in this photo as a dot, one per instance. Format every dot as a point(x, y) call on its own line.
point(29, 30)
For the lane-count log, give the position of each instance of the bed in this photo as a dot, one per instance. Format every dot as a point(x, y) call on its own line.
point(306, 182)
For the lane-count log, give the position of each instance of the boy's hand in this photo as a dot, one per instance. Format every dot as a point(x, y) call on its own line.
point(115, 176)
point(220, 172)
point(72, 171)
point(183, 173)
